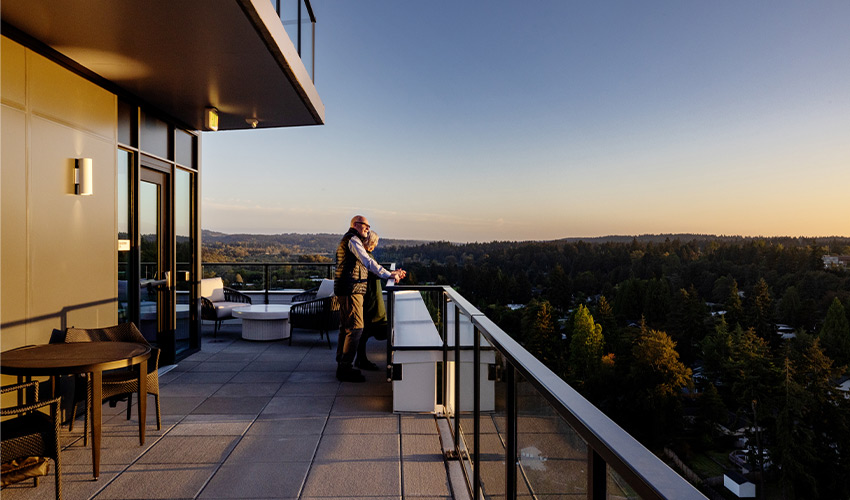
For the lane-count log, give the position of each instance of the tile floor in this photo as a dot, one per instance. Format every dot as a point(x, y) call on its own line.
point(259, 420)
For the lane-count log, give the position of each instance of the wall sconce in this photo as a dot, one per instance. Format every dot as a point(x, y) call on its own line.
point(211, 119)
point(82, 176)
point(252, 122)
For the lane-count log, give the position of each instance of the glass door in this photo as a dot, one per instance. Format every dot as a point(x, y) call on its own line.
point(155, 262)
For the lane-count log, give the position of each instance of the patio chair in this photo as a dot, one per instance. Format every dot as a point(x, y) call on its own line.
point(116, 382)
point(29, 439)
point(218, 301)
point(316, 309)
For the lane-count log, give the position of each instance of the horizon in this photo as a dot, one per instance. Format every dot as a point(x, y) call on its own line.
point(608, 236)
point(476, 124)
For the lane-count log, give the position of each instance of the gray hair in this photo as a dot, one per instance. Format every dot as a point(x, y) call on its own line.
point(371, 241)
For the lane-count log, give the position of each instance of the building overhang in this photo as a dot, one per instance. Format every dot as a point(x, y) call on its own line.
point(179, 57)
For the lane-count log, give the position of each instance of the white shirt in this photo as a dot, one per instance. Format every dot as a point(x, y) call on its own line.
point(357, 248)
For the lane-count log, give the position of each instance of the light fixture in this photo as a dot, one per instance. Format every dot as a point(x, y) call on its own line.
point(211, 118)
point(252, 122)
point(82, 176)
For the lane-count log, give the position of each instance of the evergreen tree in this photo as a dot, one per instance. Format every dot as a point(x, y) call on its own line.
point(734, 309)
point(613, 339)
point(540, 336)
point(790, 307)
point(835, 334)
point(717, 352)
point(586, 346)
point(688, 322)
point(761, 313)
point(793, 448)
point(712, 412)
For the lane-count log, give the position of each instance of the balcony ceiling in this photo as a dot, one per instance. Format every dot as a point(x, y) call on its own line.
point(181, 56)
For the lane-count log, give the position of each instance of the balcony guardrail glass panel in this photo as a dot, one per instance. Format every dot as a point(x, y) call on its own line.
point(552, 457)
point(262, 277)
point(519, 430)
point(300, 24)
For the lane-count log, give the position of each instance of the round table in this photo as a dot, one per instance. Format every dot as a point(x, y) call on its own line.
point(83, 357)
point(264, 321)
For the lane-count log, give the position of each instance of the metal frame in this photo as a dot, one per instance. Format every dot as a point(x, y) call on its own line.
point(608, 445)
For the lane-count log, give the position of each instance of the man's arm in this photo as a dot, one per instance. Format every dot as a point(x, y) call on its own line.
point(357, 248)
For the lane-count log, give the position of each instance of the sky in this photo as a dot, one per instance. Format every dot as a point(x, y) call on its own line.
point(502, 120)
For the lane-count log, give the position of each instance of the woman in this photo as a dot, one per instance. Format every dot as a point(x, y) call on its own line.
point(374, 311)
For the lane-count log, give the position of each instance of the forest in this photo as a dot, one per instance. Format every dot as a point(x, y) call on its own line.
point(727, 350)
point(683, 343)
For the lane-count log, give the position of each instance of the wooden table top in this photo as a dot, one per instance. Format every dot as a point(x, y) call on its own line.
point(76, 357)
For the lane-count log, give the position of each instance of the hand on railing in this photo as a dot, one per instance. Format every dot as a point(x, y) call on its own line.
point(397, 276)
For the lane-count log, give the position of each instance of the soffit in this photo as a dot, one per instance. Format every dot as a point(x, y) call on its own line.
point(182, 56)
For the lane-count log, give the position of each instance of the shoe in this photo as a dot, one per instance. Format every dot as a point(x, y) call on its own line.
point(349, 374)
point(365, 364)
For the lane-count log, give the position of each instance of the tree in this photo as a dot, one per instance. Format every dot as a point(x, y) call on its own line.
point(656, 380)
point(790, 307)
point(687, 323)
point(761, 312)
point(540, 336)
point(813, 427)
point(734, 309)
point(835, 334)
point(586, 346)
point(717, 351)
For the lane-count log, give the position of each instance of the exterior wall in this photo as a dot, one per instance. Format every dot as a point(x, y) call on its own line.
point(58, 259)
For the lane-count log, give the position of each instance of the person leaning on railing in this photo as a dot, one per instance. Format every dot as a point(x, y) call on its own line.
point(353, 265)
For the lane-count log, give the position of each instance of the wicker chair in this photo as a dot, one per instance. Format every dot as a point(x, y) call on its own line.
point(218, 301)
point(28, 435)
point(115, 382)
point(315, 309)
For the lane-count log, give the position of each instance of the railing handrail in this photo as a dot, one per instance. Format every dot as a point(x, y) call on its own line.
point(641, 469)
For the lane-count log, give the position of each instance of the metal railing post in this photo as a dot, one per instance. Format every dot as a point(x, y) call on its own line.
point(476, 412)
point(266, 277)
point(596, 477)
point(511, 438)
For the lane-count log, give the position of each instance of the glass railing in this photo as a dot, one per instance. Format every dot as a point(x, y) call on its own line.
point(519, 430)
point(269, 278)
point(300, 24)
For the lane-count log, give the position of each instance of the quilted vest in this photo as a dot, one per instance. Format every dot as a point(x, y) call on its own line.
point(351, 275)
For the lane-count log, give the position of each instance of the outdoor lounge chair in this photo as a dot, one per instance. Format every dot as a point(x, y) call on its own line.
point(218, 301)
point(115, 382)
point(316, 309)
point(30, 438)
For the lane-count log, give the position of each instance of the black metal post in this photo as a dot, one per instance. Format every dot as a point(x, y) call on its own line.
point(596, 477)
point(476, 413)
point(511, 438)
point(266, 277)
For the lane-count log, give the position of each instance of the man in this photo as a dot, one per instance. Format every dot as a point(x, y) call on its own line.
point(353, 265)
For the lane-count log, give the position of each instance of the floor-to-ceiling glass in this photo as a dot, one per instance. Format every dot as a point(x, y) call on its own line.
point(184, 259)
point(155, 264)
point(123, 175)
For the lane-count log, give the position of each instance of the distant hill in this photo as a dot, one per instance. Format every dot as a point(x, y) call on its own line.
point(219, 247)
point(222, 247)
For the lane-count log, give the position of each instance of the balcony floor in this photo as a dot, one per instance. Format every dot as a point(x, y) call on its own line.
point(263, 420)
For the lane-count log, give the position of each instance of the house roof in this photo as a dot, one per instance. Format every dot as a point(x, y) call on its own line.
point(179, 57)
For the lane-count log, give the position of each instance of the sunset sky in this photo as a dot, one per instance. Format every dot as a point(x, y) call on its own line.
point(498, 120)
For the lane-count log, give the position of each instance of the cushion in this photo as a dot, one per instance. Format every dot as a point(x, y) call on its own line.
point(24, 468)
point(326, 289)
point(224, 310)
point(213, 289)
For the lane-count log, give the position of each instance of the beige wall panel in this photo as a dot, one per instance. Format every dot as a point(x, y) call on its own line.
point(13, 226)
point(72, 238)
point(65, 97)
point(13, 71)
